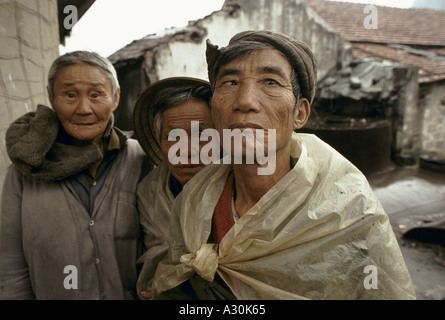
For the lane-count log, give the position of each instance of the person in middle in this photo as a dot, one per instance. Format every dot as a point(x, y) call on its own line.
point(166, 105)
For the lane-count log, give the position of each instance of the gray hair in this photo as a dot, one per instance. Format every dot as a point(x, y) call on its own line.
point(239, 50)
point(75, 57)
point(174, 96)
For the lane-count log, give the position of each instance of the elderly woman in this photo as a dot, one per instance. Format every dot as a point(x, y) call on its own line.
point(69, 224)
point(166, 105)
point(312, 229)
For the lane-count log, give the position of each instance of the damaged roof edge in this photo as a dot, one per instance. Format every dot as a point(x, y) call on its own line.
point(193, 32)
point(137, 48)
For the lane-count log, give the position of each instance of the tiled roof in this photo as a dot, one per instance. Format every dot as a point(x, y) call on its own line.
point(410, 36)
point(395, 25)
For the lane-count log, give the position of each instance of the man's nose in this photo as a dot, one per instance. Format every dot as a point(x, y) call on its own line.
point(247, 98)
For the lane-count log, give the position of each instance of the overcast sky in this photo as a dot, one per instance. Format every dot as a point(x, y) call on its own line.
point(109, 25)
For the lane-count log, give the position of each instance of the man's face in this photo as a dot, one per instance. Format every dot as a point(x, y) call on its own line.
point(255, 91)
point(180, 117)
point(83, 102)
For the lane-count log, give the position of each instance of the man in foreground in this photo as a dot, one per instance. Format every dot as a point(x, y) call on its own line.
point(313, 229)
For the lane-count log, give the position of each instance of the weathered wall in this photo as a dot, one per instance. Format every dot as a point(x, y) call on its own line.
point(180, 57)
point(407, 125)
point(433, 120)
point(132, 80)
point(29, 42)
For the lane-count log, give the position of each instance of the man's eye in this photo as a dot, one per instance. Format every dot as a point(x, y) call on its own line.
point(95, 95)
point(70, 95)
point(270, 82)
point(229, 83)
point(226, 84)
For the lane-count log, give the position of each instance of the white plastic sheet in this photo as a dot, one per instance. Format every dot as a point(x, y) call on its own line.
point(311, 236)
point(155, 203)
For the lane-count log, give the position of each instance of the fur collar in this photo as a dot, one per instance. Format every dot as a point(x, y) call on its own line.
point(35, 147)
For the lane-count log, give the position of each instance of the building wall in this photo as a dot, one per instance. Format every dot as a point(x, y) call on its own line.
point(407, 124)
point(433, 121)
point(29, 43)
point(179, 57)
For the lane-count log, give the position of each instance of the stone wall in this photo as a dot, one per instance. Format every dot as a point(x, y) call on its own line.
point(29, 42)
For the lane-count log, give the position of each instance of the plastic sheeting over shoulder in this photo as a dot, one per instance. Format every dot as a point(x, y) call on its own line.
point(154, 205)
point(312, 236)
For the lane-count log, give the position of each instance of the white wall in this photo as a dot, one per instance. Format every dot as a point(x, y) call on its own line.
point(180, 57)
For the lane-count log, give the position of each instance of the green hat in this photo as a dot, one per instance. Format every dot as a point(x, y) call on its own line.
point(297, 52)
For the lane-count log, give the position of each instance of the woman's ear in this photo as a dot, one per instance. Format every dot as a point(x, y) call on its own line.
point(302, 113)
point(117, 96)
point(50, 96)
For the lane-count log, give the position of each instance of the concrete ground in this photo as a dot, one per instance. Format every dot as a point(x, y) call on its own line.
point(414, 197)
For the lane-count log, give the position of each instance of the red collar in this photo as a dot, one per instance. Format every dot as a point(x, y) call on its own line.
point(223, 216)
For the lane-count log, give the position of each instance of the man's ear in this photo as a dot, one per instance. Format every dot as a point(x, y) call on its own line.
point(302, 113)
point(50, 98)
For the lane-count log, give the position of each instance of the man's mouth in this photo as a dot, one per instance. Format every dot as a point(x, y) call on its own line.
point(245, 125)
point(84, 123)
point(188, 166)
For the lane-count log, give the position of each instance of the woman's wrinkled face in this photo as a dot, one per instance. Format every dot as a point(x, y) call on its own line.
point(255, 92)
point(83, 101)
point(181, 117)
